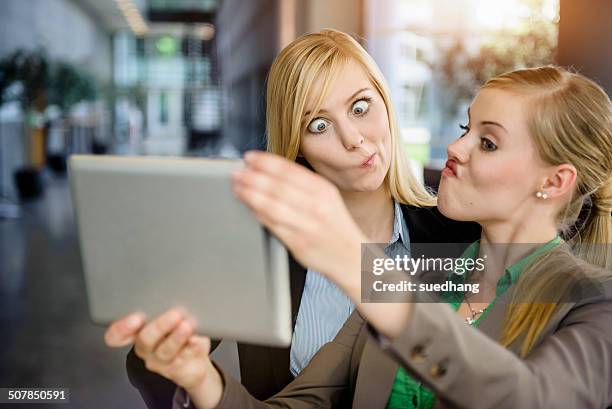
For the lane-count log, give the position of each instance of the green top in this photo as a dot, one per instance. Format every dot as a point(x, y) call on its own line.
point(407, 392)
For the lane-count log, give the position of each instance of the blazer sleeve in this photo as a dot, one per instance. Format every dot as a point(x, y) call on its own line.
point(156, 390)
point(324, 383)
point(571, 368)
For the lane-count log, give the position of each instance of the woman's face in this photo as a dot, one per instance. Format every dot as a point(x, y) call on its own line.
point(493, 169)
point(348, 141)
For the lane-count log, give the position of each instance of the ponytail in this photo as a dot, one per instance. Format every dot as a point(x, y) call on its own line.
point(596, 232)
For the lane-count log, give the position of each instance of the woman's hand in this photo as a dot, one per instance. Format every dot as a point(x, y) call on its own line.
point(168, 346)
point(304, 210)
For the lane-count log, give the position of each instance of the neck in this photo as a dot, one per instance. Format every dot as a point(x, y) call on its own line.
point(505, 243)
point(534, 227)
point(373, 212)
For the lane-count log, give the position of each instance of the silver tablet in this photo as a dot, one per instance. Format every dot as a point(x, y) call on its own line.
point(162, 232)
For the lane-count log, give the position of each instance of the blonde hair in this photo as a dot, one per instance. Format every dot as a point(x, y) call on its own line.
point(290, 81)
point(570, 122)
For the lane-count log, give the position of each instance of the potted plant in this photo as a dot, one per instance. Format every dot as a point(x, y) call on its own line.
point(30, 72)
point(68, 86)
point(40, 83)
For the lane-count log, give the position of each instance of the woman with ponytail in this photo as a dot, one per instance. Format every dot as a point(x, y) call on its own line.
point(533, 167)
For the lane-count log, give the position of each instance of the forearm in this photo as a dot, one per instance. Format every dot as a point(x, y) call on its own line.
point(388, 318)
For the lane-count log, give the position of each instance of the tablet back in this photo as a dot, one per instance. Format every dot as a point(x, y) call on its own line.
point(162, 232)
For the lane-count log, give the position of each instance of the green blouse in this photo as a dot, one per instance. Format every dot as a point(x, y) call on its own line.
point(407, 392)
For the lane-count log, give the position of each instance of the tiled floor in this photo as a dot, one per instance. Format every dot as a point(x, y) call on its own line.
point(46, 338)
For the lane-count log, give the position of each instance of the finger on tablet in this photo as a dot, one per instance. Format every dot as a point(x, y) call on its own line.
point(285, 171)
point(278, 167)
point(272, 186)
point(197, 346)
point(270, 211)
point(171, 346)
point(123, 331)
point(152, 333)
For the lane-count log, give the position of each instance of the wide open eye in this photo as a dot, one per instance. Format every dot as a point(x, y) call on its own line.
point(360, 107)
point(318, 125)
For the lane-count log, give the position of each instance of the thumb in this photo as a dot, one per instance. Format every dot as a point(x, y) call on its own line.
point(123, 332)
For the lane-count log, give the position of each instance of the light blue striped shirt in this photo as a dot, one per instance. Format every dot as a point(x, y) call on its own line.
point(324, 307)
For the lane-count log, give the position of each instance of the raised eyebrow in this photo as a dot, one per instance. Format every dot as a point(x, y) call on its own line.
point(347, 101)
point(357, 93)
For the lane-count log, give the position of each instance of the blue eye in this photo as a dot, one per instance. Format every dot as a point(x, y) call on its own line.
point(360, 107)
point(318, 125)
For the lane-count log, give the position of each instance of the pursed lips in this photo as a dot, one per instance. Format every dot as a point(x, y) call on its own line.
point(450, 169)
point(369, 161)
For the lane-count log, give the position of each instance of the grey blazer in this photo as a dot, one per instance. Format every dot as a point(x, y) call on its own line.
point(569, 368)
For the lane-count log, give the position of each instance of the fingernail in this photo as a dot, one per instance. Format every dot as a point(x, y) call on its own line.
point(178, 314)
point(192, 322)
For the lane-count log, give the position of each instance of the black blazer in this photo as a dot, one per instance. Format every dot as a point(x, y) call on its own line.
point(264, 370)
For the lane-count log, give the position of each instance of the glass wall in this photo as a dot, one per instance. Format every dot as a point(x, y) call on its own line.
point(435, 53)
point(167, 90)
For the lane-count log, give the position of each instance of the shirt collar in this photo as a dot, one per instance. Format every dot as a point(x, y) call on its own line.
point(400, 229)
point(514, 271)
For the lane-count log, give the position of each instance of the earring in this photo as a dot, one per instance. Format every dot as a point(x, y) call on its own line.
point(541, 195)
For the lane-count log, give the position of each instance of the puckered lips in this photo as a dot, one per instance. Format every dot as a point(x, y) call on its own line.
point(450, 169)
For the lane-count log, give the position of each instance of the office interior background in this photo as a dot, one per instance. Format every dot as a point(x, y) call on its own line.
point(187, 78)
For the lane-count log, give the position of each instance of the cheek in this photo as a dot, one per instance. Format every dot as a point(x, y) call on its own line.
point(378, 132)
point(499, 176)
point(325, 157)
point(317, 148)
point(378, 125)
point(491, 186)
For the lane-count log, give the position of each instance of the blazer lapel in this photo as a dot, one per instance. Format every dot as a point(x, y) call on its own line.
point(375, 377)
point(297, 279)
point(492, 324)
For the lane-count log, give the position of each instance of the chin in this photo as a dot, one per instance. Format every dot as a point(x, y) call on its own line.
point(370, 184)
point(452, 209)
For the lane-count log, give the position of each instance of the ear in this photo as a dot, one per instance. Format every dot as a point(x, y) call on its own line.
point(560, 181)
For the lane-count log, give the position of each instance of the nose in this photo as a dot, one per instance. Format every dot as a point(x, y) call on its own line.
point(350, 135)
point(459, 150)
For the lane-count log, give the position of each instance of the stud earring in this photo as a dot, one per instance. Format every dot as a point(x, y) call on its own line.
point(541, 195)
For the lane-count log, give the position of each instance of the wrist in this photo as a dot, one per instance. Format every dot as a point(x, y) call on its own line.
point(346, 272)
point(208, 393)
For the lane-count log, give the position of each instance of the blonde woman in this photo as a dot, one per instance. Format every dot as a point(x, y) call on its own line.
point(537, 148)
point(328, 108)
